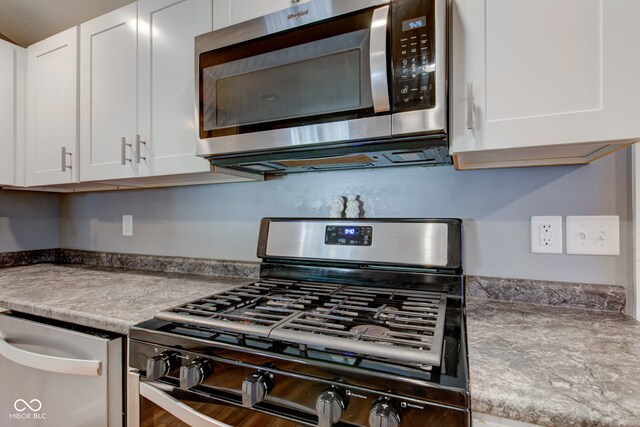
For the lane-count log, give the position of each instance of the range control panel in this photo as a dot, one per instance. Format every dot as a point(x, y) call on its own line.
point(349, 235)
point(413, 54)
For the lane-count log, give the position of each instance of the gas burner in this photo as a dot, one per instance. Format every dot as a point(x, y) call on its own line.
point(370, 331)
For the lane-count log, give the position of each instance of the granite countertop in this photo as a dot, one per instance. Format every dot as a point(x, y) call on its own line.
point(546, 365)
point(554, 366)
point(100, 297)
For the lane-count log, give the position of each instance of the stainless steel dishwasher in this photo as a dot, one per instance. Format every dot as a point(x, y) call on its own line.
point(58, 374)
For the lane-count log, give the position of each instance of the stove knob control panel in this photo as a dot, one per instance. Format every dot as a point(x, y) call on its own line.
point(255, 388)
point(330, 406)
point(383, 414)
point(161, 365)
point(194, 373)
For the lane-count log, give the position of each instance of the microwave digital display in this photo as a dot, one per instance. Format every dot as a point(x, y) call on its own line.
point(413, 24)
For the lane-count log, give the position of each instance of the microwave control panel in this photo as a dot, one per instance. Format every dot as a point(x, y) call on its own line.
point(413, 55)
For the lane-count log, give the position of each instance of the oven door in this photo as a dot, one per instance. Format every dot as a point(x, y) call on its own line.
point(315, 83)
point(155, 404)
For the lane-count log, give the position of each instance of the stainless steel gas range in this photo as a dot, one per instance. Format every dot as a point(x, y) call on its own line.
point(352, 323)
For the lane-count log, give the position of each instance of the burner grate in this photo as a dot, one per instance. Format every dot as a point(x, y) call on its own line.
point(251, 309)
point(402, 325)
point(383, 323)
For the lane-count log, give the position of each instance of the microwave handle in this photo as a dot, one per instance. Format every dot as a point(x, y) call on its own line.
point(178, 409)
point(378, 59)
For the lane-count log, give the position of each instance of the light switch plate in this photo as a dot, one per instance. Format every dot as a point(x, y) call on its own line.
point(127, 225)
point(593, 235)
point(546, 234)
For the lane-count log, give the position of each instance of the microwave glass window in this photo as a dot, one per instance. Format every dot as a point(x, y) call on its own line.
point(315, 86)
point(316, 79)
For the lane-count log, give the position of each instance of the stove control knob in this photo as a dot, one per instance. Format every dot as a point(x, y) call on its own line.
point(255, 388)
point(330, 406)
point(384, 414)
point(194, 373)
point(161, 365)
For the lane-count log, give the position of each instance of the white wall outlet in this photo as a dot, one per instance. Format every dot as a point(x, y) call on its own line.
point(127, 225)
point(593, 235)
point(546, 234)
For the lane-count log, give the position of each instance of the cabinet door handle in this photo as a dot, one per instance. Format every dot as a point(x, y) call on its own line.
point(137, 150)
point(123, 151)
point(470, 103)
point(61, 365)
point(63, 160)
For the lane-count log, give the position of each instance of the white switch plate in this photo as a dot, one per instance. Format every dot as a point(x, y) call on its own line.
point(546, 234)
point(593, 235)
point(127, 225)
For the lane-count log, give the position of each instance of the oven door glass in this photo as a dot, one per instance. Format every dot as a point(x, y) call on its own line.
point(310, 75)
point(152, 415)
point(164, 406)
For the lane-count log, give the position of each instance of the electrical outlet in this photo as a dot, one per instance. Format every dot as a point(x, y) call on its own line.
point(546, 234)
point(593, 235)
point(127, 225)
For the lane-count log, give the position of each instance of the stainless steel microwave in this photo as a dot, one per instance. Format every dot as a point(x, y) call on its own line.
point(328, 84)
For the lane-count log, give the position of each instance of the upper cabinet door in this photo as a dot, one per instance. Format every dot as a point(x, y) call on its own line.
point(166, 90)
point(108, 95)
point(229, 12)
point(52, 117)
point(12, 69)
point(542, 73)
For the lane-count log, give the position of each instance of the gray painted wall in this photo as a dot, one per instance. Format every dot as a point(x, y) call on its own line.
point(28, 221)
point(221, 221)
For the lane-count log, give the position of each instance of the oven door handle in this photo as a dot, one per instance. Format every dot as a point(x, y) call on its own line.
point(61, 365)
point(178, 409)
point(378, 59)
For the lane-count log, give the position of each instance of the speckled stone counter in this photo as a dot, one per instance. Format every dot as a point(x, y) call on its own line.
point(99, 297)
point(561, 294)
point(554, 366)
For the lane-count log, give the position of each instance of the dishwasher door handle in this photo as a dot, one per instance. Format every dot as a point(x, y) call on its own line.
point(61, 365)
point(183, 412)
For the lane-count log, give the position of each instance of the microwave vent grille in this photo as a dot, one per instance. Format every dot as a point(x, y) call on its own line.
point(327, 161)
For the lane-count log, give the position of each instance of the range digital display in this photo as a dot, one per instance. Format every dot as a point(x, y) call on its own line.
point(414, 24)
point(348, 235)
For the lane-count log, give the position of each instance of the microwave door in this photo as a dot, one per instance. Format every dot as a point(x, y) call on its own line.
point(301, 91)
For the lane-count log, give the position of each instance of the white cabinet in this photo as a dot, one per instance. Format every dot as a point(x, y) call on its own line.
point(138, 116)
point(52, 114)
point(228, 12)
point(166, 90)
point(12, 70)
point(108, 95)
point(543, 81)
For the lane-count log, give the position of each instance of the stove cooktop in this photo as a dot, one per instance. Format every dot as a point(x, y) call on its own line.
point(397, 325)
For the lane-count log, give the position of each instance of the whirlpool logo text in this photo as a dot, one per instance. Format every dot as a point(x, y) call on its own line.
point(298, 15)
point(28, 410)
